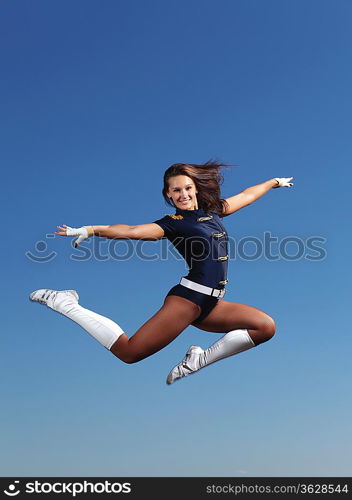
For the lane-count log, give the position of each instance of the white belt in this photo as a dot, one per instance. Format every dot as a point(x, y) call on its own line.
point(214, 292)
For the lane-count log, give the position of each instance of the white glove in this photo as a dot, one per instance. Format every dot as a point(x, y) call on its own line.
point(283, 182)
point(82, 232)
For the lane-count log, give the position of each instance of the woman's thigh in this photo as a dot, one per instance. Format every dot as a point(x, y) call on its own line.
point(172, 318)
point(227, 316)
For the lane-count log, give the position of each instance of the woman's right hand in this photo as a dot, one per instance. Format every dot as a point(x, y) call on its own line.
point(81, 232)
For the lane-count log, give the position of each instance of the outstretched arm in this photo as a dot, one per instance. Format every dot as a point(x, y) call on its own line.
point(251, 194)
point(117, 231)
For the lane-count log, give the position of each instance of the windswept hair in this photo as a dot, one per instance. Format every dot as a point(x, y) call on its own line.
point(207, 177)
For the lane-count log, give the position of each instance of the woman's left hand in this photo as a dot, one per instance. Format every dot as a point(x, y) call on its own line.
point(283, 182)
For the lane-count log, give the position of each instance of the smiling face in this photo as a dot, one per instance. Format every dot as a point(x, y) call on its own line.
point(183, 192)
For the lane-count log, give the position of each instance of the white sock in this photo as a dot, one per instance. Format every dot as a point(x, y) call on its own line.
point(231, 343)
point(103, 329)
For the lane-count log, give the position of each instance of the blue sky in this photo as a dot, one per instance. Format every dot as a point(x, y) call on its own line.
point(97, 100)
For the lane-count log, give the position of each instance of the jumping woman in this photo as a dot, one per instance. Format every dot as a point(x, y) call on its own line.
point(197, 232)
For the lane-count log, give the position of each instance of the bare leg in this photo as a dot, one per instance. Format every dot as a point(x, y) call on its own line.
point(228, 316)
point(161, 329)
point(244, 328)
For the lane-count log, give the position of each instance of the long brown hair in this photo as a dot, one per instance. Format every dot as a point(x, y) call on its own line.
point(207, 177)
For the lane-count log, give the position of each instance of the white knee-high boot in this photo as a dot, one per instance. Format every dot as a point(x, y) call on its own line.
point(103, 329)
point(231, 343)
point(196, 358)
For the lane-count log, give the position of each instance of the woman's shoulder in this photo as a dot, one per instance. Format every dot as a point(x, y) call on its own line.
point(174, 216)
point(215, 214)
point(170, 218)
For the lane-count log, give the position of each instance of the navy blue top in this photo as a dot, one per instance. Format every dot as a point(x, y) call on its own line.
point(202, 240)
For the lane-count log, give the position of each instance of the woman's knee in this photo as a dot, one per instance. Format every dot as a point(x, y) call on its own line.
point(125, 353)
point(267, 328)
point(129, 358)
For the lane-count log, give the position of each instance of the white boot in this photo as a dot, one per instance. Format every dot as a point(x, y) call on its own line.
point(103, 329)
point(231, 343)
